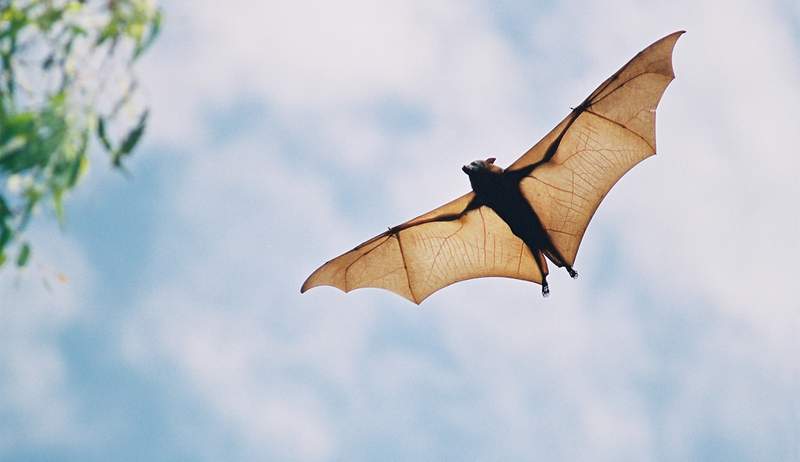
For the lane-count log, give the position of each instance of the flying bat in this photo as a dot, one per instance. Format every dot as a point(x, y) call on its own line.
point(537, 209)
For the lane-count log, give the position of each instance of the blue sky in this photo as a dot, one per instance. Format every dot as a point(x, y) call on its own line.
point(285, 133)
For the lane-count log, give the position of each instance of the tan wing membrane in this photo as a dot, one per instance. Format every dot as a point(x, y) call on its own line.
point(651, 65)
point(566, 191)
point(590, 150)
point(424, 255)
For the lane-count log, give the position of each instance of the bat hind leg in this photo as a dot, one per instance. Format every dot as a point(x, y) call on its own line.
point(541, 263)
point(555, 256)
point(572, 273)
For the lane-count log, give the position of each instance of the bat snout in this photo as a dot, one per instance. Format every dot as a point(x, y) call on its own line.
point(473, 167)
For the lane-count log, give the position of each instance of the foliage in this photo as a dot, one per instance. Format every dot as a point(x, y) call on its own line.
point(66, 86)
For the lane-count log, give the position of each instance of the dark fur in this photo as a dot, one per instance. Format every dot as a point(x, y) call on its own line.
point(500, 191)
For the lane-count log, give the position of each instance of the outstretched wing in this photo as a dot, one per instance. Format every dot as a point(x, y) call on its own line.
point(449, 244)
point(578, 162)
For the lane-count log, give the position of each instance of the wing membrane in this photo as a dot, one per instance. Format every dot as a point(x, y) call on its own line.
point(589, 151)
point(424, 255)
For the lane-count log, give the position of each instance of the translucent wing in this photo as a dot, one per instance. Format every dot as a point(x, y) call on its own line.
point(578, 162)
point(444, 246)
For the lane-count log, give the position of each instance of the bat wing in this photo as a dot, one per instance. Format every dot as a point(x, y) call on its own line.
point(569, 172)
point(452, 243)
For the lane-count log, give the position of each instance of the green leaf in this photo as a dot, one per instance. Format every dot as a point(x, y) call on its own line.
point(78, 30)
point(24, 157)
point(24, 255)
point(4, 210)
point(32, 196)
point(110, 31)
point(8, 69)
point(21, 124)
point(80, 163)
point(46, 20)
point(5, 234)
point(58, 205)
point(75, 6)
point(131, 139)
point(102, 135)
point(155, 29)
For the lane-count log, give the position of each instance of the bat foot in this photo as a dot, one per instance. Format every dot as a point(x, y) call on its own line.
point(545, 290)
point(572, 273)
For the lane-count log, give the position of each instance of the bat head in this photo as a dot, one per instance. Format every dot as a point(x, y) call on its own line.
point(481, 166)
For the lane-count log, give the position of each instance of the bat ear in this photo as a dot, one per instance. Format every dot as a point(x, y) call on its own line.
point(490, 160)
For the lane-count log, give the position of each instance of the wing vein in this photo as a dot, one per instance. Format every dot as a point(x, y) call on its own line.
point(622, 85)
point(347, 268)
point(570, 192)
point(623, 126)
point(403, 257)
point(483, 223)
point(446, 241)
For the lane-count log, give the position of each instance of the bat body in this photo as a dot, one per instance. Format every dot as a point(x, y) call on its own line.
point(538, 207)
point(500, 191)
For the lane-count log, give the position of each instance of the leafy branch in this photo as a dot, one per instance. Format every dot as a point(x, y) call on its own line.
point(57, 59)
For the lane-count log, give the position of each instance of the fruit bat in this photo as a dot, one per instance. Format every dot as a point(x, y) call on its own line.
point(535, 210)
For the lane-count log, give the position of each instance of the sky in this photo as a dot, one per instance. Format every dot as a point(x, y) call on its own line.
point(284, 133)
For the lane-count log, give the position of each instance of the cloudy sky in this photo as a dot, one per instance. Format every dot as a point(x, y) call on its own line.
point(284, 133)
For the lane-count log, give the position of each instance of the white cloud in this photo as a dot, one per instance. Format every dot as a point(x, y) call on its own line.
point(236, 359)
point(36, 403)
point(235, 368)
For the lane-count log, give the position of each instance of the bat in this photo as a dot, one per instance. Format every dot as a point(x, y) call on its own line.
point(537, 209)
